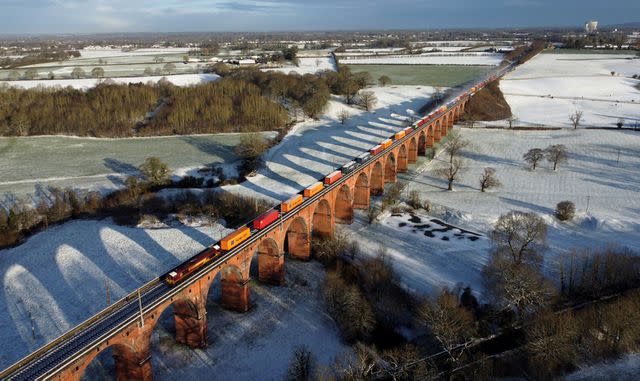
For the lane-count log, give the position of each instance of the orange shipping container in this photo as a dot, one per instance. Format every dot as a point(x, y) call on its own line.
point(291, 203)
point(399, 135)
point(386, 144)
point(408, 130)
point(313, 190)
point(235, 238)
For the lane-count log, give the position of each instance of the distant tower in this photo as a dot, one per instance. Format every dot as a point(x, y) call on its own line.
point(591, 27)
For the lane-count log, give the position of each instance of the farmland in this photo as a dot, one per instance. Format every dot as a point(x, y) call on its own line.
point(102, 164)
point(425, 75)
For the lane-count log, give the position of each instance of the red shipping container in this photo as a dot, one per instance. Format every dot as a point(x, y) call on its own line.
point(332, 178)
point(266, 219)
point(376, 150)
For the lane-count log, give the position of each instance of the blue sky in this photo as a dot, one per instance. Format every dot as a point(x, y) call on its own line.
point(94, 16)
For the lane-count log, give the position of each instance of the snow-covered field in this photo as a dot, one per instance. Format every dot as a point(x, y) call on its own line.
point(308, 65)
point(314, 148)
point(550, 87)
point(625, 369)
point(594, 177)
point(58, 278)
point(106, 52)
point(427, 252)
point(430, 59)
point(103, 164)
point(87, 83)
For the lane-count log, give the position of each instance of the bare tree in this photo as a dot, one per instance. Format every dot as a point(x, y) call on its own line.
point(51, 75)
point(556, 154)
point(384, 80)
point(550, 342)
point(512, 120)
point(14, 75)
point(168, 68)
point(367, 100)
point(77, 72)
point(520, 236)
point(97, 72)
point(575, 118)
point(31, 73)
point(451, 172)
point(620, 122)
point(449, 323)
point(488, 179)
point(148, 71)
point(438, 95)
point(158, 59)
point(518, 286)
point(533, 156)
point(302, 365)
point(455, 143)
point(343, 116)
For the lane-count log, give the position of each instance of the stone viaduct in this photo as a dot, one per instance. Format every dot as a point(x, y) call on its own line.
point(131, 345)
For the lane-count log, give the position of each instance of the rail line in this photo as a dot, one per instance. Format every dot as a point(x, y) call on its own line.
point(72, 345)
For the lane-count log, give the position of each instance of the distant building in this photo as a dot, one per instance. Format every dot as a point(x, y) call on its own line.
point(591, 27)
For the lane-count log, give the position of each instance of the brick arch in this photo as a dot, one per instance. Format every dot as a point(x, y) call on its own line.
point(422, 142)
point(445, 125)
point(125, 356)
point(322, 220)
point(430, 133)
point(377, 179)
point(413, 150)
point(390, 168)
point(234, 283)
point(344, 205)
point(437, 131)
point(297, 239)
point(362, 192)
point(270, 262)
point(403, 159)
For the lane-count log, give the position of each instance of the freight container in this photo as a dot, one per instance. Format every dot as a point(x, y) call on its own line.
point(386, 144)
point(399, 135)
point(362, 158)
point(266, 219)
point(235, 238)
point(313, 190)
point(333, 177)
point(376, 150)
point(349, 167)
point(291, 203)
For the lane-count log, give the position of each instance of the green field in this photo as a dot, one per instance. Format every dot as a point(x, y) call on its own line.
point(27, 163)
point(426, 75)
point(589, 51)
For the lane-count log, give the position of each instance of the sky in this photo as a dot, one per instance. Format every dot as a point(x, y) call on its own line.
point(101, 16)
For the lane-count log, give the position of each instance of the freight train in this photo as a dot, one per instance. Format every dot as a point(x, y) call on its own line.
point(239, 236)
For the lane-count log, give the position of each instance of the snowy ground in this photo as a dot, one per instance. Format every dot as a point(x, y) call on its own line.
point(87, 83)
point(550, 87)
point(308, 65)
point(431, 59)
point(427, 252)
point(595, 177)
point(59, 277)
point(624, 369)
point(314, 148)
point(102, 164)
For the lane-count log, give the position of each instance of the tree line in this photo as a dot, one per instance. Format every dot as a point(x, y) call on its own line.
point(244, 100)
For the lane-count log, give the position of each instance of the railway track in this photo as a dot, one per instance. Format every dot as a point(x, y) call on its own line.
point(58, 354)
